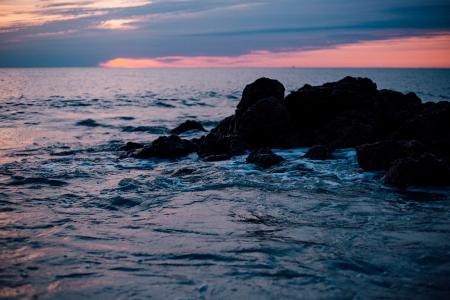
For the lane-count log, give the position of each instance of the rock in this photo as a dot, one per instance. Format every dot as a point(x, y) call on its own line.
point(166, 147)
point(260, 119)
point(427, 170)
point(217, 157)
point(186, 126)
point(260, 89)
point(430, 125)
point(319, 152)
point(216, 144)
point(222, 141)
point(346, 113)
point(264, 158)
point(132, 146)
point(264, 123)
point(88, 123)
point(381, 155)
point(183, 172)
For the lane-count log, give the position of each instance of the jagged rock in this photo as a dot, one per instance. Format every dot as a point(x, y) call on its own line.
point(167, 147)
point(264, 158)
point(381, 155)
point(186, 126)
point(319, 152)
point(427, 170)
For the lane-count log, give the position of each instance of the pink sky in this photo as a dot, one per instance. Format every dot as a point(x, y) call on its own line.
point(412, 52)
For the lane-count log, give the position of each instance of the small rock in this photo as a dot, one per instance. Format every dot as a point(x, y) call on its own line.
point(188, 125)
point(183, 172)
point(167, 147)
point(319, 152)
point(217, 157)
point(132, 146)
point(264, 158)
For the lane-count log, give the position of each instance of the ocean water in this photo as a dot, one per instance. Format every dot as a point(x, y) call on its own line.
point(77, 221)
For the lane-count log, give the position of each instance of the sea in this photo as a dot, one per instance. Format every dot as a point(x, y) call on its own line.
point(80, 221)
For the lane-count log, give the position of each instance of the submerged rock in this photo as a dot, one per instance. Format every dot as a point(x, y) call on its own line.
point(187, 126)
point(427, 170)
point(217, 157)
point(264, 158)
point(319, 152)
point(183, 172)
point(167, 147)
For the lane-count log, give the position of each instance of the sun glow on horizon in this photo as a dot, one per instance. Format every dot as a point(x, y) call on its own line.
point(411, 52)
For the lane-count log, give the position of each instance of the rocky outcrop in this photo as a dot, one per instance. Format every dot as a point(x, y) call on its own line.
point(264, 158)
point(166, 147)
point(187, 126)
point(391, 130)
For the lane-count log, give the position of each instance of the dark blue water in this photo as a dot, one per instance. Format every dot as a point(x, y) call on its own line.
point(78, 222)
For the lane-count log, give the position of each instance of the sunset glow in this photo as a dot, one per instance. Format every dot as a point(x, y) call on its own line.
point(415, 52)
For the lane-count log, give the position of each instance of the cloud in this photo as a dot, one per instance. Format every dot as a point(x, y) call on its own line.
point(26, 13)
point(84, 32)
point(417, 52)
point(119, 24)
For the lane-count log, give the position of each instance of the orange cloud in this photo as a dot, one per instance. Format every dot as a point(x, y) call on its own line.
point(24, 13)
point(119, 24)
point(413, 52)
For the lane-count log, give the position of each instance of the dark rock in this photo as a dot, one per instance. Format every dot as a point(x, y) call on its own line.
point(183, 172)
point(340, 114)
point(263, 123)
point(427, 170)
point(260, 119)
point(430, 125)
point(319, 152)
point(217, 157)
point(381, 155)
point(132, 146)
point(186, 126)
point(264, 158)
point(167, 147)
point(88, 123)
point(221, 141)
point(260, 89)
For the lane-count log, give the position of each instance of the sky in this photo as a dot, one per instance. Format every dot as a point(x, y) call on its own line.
point(224, 33)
